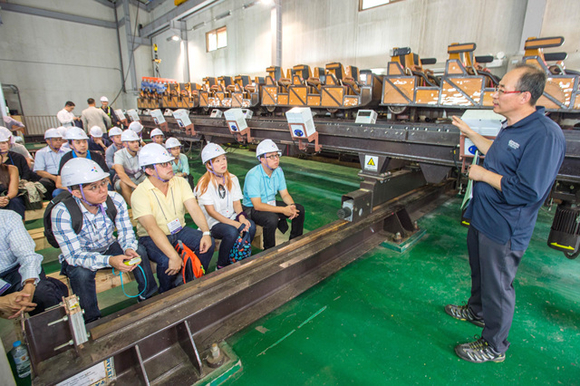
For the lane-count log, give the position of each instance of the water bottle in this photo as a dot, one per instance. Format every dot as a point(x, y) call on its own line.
point(20, 355)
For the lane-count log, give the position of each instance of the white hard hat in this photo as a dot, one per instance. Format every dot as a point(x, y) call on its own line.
point(136, 126)
point(52, 133)
point(155, 132)
point(115, 131)
point(104, 99)
point(172, 142)
point(6, 135)
point(152, 154)
point(96, 131)
point(129, 135)
point(79, 171)
point(76, 133)
point(267, 146)
point(62, 131)
point(211, 151)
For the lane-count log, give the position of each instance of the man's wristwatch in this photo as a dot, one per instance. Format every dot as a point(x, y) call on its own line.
point(30, 281)
point(207, 233)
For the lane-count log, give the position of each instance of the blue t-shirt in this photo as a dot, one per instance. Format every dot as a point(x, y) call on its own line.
point(258, 184)
point(528, 155)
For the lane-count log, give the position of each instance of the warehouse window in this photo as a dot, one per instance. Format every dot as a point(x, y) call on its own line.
point(366, 4)
point(218, 38)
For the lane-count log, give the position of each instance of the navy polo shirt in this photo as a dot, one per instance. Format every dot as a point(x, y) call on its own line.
point(528, 155)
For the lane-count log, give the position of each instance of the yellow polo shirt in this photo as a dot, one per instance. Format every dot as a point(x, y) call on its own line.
point(148, 200)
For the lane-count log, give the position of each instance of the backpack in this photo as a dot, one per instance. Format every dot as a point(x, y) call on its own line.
point(75, 213)
point(192, 267)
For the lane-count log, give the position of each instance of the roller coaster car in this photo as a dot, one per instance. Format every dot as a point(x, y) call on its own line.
point(188, 96)
point(170, 98)
point(220, 95)
point(244, 92)
point(206, 92)
point(275, 89)
point(561, 92)
point(465, 82)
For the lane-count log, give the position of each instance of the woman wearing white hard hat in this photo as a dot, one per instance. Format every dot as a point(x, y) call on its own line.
point(95, 246)
point(159, 205)
point(157, 136)
point(261, 186)
point(219, 194)
point(9, 157)
point(16, 147)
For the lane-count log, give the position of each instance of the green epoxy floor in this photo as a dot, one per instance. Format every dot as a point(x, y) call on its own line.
point(381, 320)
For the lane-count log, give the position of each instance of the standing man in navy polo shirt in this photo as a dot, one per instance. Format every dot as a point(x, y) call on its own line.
point(518, 172)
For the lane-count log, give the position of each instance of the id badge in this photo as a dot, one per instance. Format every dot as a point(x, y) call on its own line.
point(174, 226)
point(273, 202)
point(4, 286)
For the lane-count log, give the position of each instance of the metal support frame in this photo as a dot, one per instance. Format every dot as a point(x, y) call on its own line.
point(152, 341)
point(130, 45)
point(177, 13)
point(276, 32)
point(426, 143)
point(56, 15)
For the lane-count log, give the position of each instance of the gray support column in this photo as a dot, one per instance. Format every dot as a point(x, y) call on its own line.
point(276, 30)
point(2, 105)
point(130, 46)
point(533, 20)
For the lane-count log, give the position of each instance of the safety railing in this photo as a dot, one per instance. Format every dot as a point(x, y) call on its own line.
point(38, 124)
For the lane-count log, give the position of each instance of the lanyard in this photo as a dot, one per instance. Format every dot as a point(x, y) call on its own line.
point(161, 207)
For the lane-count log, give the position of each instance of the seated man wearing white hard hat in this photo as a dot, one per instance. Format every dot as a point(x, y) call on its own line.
point(180, 164)
point(157, 136)
point(95, 246)
point(137, 127)
point(263, 182)
point(116, 145)
point(109, 111)
point(159, 204)
point(126, 165)
point(47, 160)
point(97, 142)
point(79, 145)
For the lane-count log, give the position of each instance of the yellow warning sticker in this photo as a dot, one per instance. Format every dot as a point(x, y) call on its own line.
point(371, 163)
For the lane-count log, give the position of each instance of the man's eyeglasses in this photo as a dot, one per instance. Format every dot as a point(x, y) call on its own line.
point(96, 186)
point(273, 156)
point(164, 164)
point(501, 91)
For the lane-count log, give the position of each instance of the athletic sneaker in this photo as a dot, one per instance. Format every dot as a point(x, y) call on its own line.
point(463, 313)
point(478, 351)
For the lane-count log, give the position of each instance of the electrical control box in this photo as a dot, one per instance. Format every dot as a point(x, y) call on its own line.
point(236, 120)
point(484, 122)
point(300, 122)
point(366, 116)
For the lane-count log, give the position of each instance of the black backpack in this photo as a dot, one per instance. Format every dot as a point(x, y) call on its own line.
point(75, 214)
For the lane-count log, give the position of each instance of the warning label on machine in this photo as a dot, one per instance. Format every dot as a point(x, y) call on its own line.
point(371, 163)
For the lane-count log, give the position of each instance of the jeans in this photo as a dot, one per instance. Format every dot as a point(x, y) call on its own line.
point(190, 237)
point(228, 235)
point(271, 221)
point(48, 293)
point(82, 281)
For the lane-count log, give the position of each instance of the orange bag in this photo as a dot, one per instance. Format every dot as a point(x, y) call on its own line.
point(192, 268)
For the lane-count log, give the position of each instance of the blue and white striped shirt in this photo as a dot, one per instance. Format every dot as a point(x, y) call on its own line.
point(96, 236)
point(17, 247)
